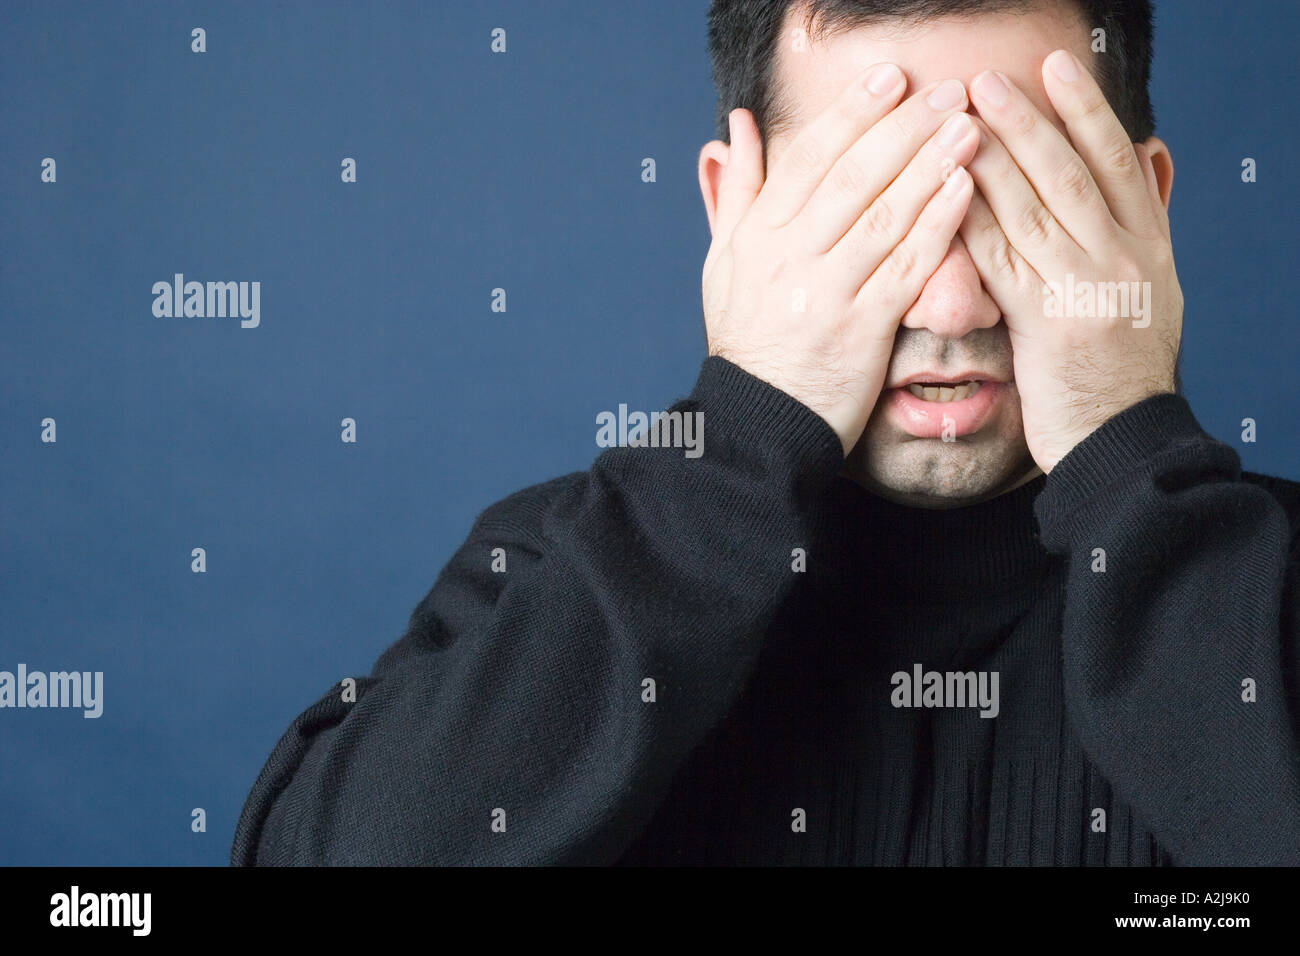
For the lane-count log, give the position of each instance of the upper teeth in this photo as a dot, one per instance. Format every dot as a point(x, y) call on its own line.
point(944, 393)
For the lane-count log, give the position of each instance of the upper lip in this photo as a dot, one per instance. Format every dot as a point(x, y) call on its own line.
point(945, 377)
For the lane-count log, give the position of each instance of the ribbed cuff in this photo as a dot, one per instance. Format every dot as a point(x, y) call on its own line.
point(1152, 434)
point(758, 419)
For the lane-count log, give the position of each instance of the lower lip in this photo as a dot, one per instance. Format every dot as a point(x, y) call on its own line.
point(924, 419)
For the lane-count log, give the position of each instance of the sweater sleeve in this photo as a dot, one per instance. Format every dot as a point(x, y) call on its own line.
point(515, 721)
point(1180, 636)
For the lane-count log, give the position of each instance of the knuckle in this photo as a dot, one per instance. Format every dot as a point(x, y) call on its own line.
point(1032, 222)
point(903, 262)
point(877, 221)
point(1094, 106)
point(1024, 122)
point(1002, 259)
point(1119, 157)
point(1073, 181)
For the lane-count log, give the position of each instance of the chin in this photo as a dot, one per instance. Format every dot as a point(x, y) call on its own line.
point(932, 473)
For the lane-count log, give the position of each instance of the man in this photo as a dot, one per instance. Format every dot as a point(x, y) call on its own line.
point(958, 578)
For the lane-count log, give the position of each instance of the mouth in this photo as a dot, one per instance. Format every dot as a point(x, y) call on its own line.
point(931, 405)
point(942, 392)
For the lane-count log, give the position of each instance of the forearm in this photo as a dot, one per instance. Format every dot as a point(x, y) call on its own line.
point(521, 698)
point(1178, 634)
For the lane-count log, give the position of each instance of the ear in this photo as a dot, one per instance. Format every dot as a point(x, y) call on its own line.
point(1162, 163)
point(713, 162)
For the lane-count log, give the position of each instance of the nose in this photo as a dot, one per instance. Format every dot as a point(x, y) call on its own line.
point(953, 301)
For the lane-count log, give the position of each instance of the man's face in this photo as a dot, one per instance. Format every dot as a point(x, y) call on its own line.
point(954, 330)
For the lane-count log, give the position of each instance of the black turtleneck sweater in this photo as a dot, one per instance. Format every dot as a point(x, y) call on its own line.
point(1145, 713)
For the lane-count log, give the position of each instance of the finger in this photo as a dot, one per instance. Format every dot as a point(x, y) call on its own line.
point(1005, 273)
point(742, 179)
point(1057, 173)
point(1021, 214)
point(872, 163)
point(886, 221)
point(897, 283)
point(807, 159)
point(1101, 141)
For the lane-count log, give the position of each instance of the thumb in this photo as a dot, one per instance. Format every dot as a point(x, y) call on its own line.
point(743, 177)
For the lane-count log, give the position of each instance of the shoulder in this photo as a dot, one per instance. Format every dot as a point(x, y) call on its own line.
point(521, 515)
point(468, 586)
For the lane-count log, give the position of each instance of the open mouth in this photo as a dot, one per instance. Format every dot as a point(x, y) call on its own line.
point(943, 391)
point(934, 408)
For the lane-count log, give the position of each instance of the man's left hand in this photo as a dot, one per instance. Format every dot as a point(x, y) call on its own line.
point(1074, 247)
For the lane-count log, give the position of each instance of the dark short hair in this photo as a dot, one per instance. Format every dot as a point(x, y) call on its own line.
point(743, 37)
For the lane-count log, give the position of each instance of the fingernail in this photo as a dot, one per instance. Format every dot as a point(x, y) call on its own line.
point(946, 95)
point(989, 86)
point(1064, 65)
point(883, 79)
point(954, 130)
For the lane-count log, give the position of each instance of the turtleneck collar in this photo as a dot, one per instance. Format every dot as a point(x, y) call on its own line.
point(924, 553)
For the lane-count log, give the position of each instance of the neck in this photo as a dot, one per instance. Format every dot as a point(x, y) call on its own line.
point(966, 547)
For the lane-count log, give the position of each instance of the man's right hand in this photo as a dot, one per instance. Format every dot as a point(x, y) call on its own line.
point(810, 271)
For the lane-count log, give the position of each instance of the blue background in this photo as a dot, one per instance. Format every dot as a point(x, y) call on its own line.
point(474, 171)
